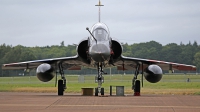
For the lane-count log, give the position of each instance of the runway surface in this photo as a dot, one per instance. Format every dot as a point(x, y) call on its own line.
point(50, 102)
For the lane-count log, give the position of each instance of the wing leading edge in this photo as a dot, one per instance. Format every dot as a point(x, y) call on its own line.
point(74, 60)
point(131, 62)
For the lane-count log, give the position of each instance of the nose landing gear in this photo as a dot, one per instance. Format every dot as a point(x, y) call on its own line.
point(99, 79)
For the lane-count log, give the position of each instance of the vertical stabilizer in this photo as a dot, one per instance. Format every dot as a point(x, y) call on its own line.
point(99, 9)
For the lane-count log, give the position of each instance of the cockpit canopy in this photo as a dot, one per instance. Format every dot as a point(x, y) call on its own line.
point(100, 32)
point(100, 25)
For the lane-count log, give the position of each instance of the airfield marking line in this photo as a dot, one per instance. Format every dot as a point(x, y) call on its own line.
point(53, 103)
point(129, 106)
point(31, 105)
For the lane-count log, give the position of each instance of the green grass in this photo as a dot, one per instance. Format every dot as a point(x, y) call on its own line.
point(170, 84)
point(197, 93)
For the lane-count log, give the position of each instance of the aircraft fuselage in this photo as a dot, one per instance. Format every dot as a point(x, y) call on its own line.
point(100, 45)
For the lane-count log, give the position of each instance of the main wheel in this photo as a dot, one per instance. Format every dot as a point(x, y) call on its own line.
point(60, 87)
point(102, 91)
point(137, 88)
point(96, 92)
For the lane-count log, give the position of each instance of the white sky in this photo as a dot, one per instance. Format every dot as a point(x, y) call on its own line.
point(48, 22)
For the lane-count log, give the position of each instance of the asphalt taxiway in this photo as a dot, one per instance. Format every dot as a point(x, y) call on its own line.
point(50, 102)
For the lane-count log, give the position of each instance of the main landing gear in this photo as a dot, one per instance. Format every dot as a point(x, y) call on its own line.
point(135, 82)
point(99, 79)
point(62, 81)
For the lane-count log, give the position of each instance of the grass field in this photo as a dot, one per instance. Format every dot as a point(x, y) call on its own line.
point(170, 84)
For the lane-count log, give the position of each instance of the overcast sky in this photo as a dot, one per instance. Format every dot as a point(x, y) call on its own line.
point(48, 22)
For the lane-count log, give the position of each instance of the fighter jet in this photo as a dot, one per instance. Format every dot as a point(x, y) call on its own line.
point(99, 51)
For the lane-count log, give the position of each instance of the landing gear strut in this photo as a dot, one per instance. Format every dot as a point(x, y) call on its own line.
point(99, 79)
point(62, 81)
point(135, 82)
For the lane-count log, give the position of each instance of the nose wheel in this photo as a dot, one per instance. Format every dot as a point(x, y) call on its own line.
point(97, 91)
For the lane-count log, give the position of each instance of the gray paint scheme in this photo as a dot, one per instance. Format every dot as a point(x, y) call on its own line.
point(99, 52)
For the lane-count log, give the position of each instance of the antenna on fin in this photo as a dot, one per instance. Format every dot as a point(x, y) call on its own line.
point(99, 9)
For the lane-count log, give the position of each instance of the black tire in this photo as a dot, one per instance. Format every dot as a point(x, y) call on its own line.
point(60, 87)
point(137, 86)
point(102, 91)
point(96, 92)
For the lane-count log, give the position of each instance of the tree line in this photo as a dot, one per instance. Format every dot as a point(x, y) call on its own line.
point(178, 53)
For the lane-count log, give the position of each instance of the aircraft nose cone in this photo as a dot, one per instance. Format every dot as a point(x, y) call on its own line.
point(100, 52)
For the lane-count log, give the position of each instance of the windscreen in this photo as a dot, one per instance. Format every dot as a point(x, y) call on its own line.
point(100, 34)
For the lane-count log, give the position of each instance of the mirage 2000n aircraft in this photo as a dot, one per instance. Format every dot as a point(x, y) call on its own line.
point(99, 51)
